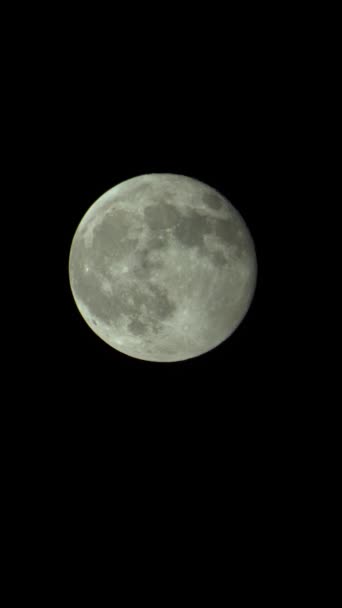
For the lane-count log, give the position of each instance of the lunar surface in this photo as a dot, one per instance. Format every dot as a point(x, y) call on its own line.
point(162, 267)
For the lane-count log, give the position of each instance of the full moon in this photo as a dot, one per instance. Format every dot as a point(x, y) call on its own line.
point(162, 267)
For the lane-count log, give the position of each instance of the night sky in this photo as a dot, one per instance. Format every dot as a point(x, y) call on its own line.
point(201, 450)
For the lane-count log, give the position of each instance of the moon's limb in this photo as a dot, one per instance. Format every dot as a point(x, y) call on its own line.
point(162, 267)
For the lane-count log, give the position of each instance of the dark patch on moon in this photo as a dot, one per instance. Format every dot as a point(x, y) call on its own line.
point(228, 232)
point(137, 328)
point(146, 265)
point(158, 308)
point(161, 216)
point(191, 230)
point(162, 306)
point(158, 242)
point(212, 200)
point(111, 236)
point(218, 258)
point(110, 239)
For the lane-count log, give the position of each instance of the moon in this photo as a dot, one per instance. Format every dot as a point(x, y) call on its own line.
point(162, 267)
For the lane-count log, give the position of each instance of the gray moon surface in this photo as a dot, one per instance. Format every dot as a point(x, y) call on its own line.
point(162, 267)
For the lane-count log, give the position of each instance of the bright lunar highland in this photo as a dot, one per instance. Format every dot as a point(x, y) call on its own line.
point(162, 267)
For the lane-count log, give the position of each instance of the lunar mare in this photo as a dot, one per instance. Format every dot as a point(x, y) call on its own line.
point(162, 267)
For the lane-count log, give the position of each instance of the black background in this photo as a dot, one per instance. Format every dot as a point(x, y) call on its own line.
point(207, 462)
point(186, 111)
point(228, 392)
point(109, 433)
point(129, 428)
point(197, 94)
